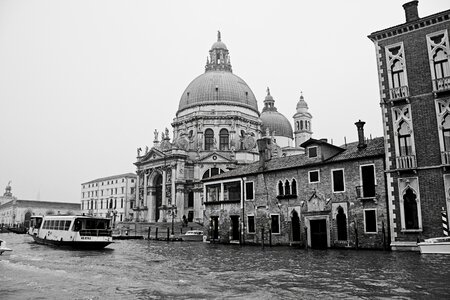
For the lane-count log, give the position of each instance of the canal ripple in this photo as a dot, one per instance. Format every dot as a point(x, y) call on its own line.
point(140, 269)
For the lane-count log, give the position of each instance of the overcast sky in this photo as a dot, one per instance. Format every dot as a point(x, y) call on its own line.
point(85, 83)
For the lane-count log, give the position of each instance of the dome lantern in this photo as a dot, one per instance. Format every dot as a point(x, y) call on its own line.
point(219, 58)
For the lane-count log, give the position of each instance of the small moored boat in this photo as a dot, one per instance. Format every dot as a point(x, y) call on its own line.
point(435, 245)
point(82, 232)
point(193, 235)
point(3, 247)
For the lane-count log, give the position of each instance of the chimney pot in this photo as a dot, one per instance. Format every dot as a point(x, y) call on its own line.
point(411, 11)
point(361, 142)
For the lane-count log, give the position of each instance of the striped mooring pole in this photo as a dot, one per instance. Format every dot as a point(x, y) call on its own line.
point(444, 222)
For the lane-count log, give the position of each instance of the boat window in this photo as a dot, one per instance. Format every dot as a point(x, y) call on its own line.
point(52, 224)
point(78, 225)
point(67, 225)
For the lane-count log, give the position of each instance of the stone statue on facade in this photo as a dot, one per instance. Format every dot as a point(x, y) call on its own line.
point(156, 135)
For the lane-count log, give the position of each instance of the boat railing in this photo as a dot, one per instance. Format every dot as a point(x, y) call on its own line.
point(96, 232)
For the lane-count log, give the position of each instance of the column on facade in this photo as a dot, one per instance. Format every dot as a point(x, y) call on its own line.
point(172, 185)
point(145, 188)
point(164, 199)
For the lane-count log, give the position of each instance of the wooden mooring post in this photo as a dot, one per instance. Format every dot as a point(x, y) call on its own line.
point(148, 235)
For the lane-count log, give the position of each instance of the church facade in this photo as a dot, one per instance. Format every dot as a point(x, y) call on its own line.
point(215, 130)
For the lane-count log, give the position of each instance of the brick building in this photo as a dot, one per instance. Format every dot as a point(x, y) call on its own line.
point(328, 197)
point(414, 79)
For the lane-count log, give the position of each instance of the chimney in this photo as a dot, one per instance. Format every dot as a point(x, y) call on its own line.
point(361, 142)
point(411, 11)
point(264, 148)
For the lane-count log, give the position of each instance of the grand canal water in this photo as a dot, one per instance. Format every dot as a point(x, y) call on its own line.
point(141, 269)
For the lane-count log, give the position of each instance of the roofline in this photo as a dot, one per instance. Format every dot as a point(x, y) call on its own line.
point(405, 27)
point(128, 175)
point(325, 162)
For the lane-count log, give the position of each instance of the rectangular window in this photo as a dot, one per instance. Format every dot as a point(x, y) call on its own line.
point(314, 176)
point(312, 152)
point(249, 190)
point(338, 180)
point(123, 190)
point(232, 191)
point(121, 202)
point(115, 191)
point(275, 225)
point(368, 180)
point(212, 192)
point(251, 224)
point(370, 221)
point(132, 190)
point(101, 204)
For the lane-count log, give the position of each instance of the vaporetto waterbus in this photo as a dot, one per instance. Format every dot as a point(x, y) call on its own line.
point(82, 232)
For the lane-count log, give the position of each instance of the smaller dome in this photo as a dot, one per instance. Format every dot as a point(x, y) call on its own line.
point(275, 121)
point(302, 106)
point(219, 45)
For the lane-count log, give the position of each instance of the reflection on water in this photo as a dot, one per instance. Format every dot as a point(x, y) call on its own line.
point(140, 269)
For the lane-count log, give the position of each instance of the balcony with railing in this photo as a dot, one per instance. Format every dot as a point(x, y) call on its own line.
point(398, 93)
point(406, 162)
point(445, 157)
point(441, 84)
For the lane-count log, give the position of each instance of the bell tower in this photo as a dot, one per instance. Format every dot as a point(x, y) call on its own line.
point(302, 122)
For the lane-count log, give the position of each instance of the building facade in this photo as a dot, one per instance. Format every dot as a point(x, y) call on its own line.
point(16, 212)
point(327, 197)
point(112, 197)
point(215, 130)
point(414, 80)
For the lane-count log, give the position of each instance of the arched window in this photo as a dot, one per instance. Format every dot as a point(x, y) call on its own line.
point(301, 124)
point(298, 125)
point(280, 188)
point(397, 74)
point(446, 132)
point(287, 188)
point(410, 209)
point(209, 139)
point(441, 67)
point(212, 172)
point(294, 187)
point(223, 139)
point(404, 139)
point(341, 222)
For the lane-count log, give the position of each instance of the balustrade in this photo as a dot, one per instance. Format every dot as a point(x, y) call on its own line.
point(406, 162)
point(441, 84)
point(399, 92)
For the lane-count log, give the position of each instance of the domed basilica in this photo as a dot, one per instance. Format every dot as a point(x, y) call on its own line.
point(215, 130)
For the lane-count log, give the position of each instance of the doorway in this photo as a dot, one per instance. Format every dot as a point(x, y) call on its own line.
point(234, 227)
point(214, 228)
point(295, 221)
point(318, 234)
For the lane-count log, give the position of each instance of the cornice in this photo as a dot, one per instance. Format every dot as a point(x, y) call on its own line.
point(397, 30)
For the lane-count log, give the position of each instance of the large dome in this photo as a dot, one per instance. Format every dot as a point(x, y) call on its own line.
point(272, 120)
point(218, 87)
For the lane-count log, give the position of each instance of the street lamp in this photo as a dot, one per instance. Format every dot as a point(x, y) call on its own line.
point(173, 212)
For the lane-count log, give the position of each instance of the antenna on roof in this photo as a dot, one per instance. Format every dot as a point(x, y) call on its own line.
point(345, 141)
point(331, 141)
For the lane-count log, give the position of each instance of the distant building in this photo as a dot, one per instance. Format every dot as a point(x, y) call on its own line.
point(414, 80)
point(328, 197)
point(112, 197)
point(215, 130)
point(15, 212)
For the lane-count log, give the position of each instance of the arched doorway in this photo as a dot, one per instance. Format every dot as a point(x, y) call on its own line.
point(158, 198)
point(295, 223)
